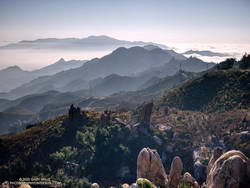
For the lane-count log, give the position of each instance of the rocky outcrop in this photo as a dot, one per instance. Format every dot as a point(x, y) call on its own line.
point(175, 172)
point(216, 154)
point(105, 118)
point(189, 180)
point(145, 115)
point(75, 113)
point(231, 170)
point(149, 166)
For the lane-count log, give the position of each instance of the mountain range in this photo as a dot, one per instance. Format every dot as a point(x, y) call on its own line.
point(132, 62)
point(14, 76)
point(206, 53)
point(101, 42)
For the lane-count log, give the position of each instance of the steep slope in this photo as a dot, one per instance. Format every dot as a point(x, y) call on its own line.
point(36, 102)
point(214, 91)
point(60, 65)
point(134, 98)
point(112, 84)
point(190, 64)
point(14, 76)
point(11, 122)
point(77, 151)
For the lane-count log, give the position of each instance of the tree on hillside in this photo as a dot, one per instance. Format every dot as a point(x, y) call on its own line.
point(244, 63)
point(227, 64)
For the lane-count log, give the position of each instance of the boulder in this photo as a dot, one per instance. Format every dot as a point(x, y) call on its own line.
point(216, 154)
point(188, 180)
point(231, 170)
point(94, 185)
point(125, 185)
point(175, 172)
point(149, 166)
point(75, 113)
point(134, 185)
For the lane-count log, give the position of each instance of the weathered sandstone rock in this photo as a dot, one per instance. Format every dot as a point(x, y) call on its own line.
point(231, 170)
point(149, 166)
point(175, 172)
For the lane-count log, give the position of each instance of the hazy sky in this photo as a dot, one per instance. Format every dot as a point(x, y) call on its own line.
point(196, 21)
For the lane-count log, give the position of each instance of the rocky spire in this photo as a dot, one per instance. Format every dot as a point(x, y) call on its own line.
point(105, 118)
point(75, 113)
point(175, 172)
point(145, 115)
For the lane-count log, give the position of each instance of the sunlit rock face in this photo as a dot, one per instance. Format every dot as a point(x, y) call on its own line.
point(149, 166)
point(175, 172)
point(232, 170)
point(216, 154)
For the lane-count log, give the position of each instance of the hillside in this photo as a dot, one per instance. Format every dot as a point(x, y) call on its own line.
point(218, 90)
point(14, 76)
point(69, 149)
point(14, 121)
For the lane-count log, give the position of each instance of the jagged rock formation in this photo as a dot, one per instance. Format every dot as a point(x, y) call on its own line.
point(216, 154)
point(231, 170)
point(75, 113)
point(145, 115)
point(143, 126)
point(149, 166)
point(105, 118)
point(175, 172)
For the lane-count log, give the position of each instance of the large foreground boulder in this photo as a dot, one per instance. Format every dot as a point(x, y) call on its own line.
point(231, 170)
point(149, 166)
point(216, 154)
point(175, 172)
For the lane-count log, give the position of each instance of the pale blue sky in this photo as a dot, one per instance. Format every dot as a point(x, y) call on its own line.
point(194, 21)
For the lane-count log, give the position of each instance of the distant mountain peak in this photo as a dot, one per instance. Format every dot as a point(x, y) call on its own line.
point(61, 60)
point(13, 68)
point(100, 37)
point(150, 47)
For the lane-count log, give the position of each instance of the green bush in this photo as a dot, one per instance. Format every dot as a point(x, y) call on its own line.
point(144, 183)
